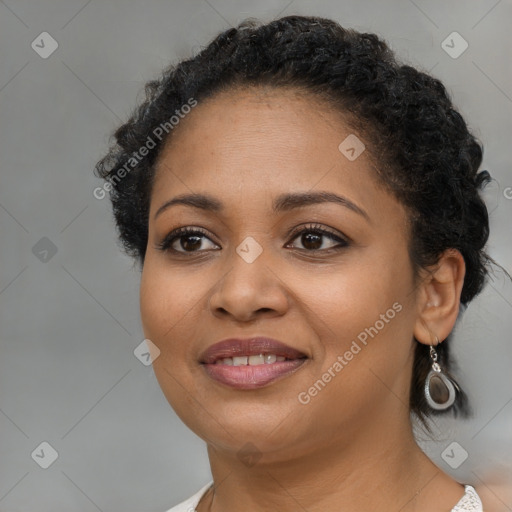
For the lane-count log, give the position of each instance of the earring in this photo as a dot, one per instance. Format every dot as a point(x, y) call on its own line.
point(440, 390)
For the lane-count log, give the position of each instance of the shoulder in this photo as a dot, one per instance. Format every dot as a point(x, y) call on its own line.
point(190, 504)
point(470, 502)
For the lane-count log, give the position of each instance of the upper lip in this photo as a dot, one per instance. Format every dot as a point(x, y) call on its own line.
point(234, 347)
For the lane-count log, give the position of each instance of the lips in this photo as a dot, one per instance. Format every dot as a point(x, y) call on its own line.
point(230, 363)
point(236, 347)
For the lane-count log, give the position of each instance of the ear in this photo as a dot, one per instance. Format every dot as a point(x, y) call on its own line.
point(438, 298)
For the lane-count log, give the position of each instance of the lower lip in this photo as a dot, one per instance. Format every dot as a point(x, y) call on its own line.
point(252, 377)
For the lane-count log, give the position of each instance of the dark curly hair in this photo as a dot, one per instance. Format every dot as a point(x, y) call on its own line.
point(420, 146)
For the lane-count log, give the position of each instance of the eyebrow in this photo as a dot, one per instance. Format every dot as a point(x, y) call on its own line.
point(284, 202)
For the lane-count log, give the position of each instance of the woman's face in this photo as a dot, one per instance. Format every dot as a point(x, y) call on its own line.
point(261, 267)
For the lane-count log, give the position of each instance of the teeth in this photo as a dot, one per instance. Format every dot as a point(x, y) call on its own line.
point(227, 361)
point(250, 360)
point(238, 361)
point(255, 360)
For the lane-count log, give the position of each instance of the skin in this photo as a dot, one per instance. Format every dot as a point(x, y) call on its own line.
point(352, 443)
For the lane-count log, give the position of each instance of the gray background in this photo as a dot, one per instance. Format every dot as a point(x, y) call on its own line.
point(69, 325)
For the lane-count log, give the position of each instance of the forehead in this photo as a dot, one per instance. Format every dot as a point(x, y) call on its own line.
point(265, 140)
point(253, 127)
point(262, 112)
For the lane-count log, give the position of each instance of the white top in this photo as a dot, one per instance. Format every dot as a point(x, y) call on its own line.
point(470, 502)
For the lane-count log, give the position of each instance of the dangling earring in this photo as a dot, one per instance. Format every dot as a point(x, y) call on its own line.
point(440, 390)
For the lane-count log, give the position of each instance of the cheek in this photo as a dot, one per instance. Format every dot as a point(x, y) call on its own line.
point(363, 320)
point(169, 291)
point(363, 314)
point(170, 305)
point(170, 302)
point(353, 297)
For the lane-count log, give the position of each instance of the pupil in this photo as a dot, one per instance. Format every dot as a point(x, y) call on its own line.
point(195, 244)
point(309, 238)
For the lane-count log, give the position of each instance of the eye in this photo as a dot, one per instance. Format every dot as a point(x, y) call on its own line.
point(185, 240)
point(312, 238)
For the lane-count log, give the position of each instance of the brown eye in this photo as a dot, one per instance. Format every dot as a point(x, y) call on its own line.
point(190, 242)
point(185, 240)
point(318, 239)
point(312, 241)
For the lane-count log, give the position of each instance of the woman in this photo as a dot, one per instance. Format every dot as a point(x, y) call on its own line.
point(307, 215)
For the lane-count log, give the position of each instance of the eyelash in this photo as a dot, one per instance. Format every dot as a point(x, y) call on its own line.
point(166, 243)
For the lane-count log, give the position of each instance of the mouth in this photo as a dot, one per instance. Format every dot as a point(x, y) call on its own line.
point(250, 363)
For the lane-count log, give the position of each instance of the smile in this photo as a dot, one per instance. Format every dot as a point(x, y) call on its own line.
point(251, 360)
point(250, 363)
point(243, 372)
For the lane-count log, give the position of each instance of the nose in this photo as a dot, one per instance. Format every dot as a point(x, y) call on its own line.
point(249, 290)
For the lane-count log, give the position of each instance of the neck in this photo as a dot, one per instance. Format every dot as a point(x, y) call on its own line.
point(377, 468)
